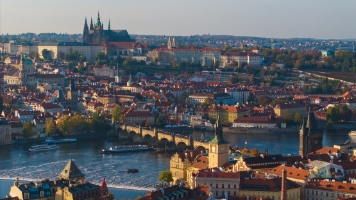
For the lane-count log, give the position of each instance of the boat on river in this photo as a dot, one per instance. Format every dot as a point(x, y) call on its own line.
point(132, 170)
point(65, 140)
point(43, 147)
point(126, 148)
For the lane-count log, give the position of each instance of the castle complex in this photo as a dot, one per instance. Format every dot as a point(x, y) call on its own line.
point(95, 34)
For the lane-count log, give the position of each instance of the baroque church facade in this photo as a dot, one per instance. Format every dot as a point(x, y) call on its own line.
point(95, 34)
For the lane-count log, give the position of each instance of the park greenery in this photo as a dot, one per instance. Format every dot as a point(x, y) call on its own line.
point(165, 176)
point(27, 130)
point(77, 124)
point(339, 113)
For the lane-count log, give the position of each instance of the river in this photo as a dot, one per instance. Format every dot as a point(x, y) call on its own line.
point(15, 161)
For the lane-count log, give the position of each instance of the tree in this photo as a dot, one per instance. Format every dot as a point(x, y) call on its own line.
point(264, 100)
point(117, 114)
point(33, 54)
point(288, 117)
point(98, 121)
point(208, 102)
point(226, 123)
point(64, 125)
point(111, 196)
point(46, 54)
point(254, 152)
point(160, 123)
point(165, 176)
point(77, 122)
point(101, 56)
point(298, 118)
point(50, 129)
point(27, 130)
point(345, 113)
point(244, 151)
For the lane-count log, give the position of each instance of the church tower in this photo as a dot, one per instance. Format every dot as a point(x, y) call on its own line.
point(218, 147)
point(98, 29)
point(72, 96)
point(86, 32)
point(169, 44)
point(117, 77)
point(310, 136)
point(173, 43)
point(91, 24)
point(26, 68)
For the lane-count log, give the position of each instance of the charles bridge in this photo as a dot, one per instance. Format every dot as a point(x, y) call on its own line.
point(164, 135)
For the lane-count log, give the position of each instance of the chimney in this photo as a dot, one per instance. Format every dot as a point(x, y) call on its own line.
point(284, 185)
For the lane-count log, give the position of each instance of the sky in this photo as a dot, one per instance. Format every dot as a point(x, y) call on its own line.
point(323, 19)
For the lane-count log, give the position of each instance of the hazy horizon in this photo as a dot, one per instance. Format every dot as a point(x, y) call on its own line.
point(266, 19)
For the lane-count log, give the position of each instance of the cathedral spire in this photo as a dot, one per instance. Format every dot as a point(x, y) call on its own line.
point(91, 24)
point(109, 25)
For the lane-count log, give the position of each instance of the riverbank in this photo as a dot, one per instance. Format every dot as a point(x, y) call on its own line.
point(119, 193)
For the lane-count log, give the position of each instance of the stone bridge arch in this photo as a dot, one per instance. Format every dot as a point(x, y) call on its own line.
point(198, 144)
point(161, 136)
point(182, 140)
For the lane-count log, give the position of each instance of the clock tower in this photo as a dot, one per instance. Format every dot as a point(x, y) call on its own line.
point(218, 147)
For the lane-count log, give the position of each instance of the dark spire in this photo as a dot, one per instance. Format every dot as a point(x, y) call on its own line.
point(109, 25)
point(91, 24)
point(311, 124)
point(98, 17)
point(218, 139)
point(85, 25)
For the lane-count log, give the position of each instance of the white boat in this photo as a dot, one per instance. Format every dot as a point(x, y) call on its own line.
point(352, 133)
point(43, 147)
point(122, 149)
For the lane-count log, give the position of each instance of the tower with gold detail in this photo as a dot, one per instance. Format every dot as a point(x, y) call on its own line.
point(218, 147)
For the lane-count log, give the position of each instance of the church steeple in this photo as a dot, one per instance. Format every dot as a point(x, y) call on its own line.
point(91, 24)
point(169, 44)
point(109, 25)
point(98, 23)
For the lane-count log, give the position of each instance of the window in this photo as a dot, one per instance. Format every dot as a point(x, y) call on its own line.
point(316, 193)
point(234, 186)
point(326, 194)
point(222, 185)
point(228, 186)
point(307, 191)
point(26, 196)
point(217, 186)
point(216, 193)
point(321, 193)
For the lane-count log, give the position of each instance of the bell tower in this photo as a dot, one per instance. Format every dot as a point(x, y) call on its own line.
point(169, 44)
point(218, 147)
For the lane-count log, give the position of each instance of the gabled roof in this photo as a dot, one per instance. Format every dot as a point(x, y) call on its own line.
point(71, 171)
